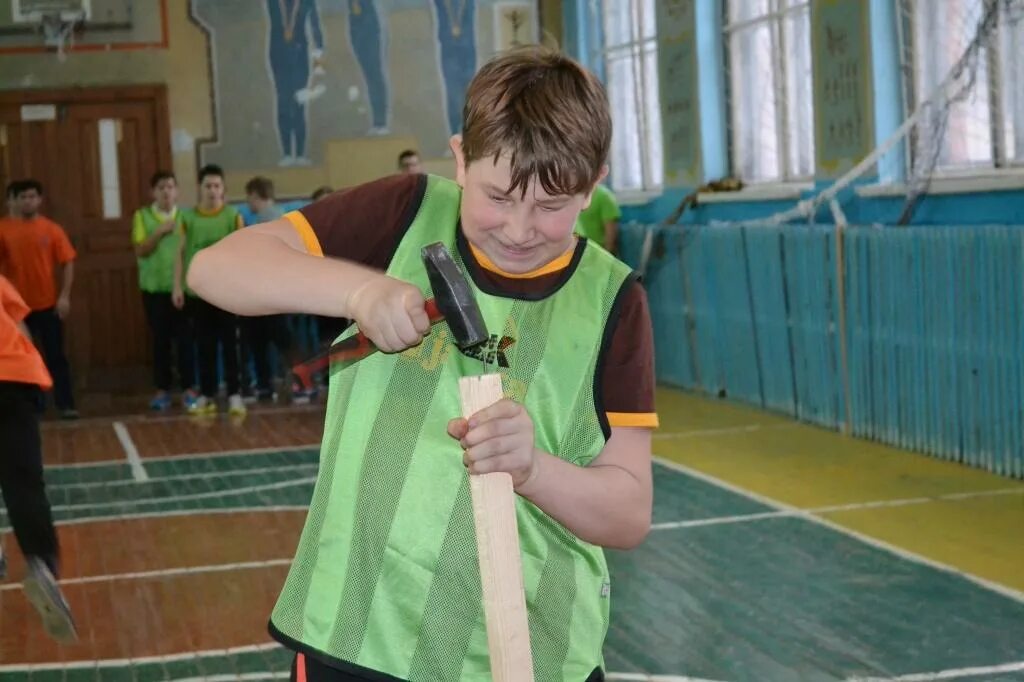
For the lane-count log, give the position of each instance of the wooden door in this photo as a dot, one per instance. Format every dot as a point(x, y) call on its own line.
point(94, 157)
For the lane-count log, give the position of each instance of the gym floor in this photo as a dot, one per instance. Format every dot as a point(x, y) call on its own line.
point(780, 551)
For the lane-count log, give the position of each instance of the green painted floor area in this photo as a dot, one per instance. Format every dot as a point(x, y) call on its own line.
point(235, 481)
point(787, 599)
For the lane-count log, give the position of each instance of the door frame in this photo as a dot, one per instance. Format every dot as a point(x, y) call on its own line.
point(155, 92)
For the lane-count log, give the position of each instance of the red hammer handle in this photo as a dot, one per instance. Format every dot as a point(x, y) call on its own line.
point(351, 349)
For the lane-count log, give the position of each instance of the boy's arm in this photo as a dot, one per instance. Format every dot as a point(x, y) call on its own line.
point(388, 311)
point(178, 289)
point(609, 501)
point(314, 259)
point(67, 279)
point(606, 503)
point(146, 245)
point(64, 254)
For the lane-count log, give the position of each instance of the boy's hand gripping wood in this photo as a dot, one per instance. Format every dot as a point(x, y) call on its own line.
point(497, 544)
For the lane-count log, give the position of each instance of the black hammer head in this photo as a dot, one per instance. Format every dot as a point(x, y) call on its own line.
point(454, 297)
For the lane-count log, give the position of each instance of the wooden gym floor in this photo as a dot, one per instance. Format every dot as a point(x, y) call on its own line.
point(779, 552)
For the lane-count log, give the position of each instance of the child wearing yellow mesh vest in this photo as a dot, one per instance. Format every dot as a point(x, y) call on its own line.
point(385, 584)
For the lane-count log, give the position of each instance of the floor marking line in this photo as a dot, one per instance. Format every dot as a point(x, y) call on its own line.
point(167, 513)
point(1003, 590)
point(163, 573)
point(284, 449)
point(188, 498)
point(131, 453)
point(720, 520)
point(142, 660)
point(952, 674)
point(184, 477)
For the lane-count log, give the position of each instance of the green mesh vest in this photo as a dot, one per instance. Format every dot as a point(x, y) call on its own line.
point(156, 271)
point(386, 574)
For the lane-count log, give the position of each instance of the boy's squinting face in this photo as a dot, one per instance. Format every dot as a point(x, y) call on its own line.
point(518, 233)
point(211, 191)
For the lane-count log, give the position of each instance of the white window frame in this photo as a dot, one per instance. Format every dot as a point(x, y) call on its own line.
point(778, 12)
point(1004, 134)
point(645, 101)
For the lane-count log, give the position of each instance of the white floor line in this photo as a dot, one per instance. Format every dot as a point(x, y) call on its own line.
point(229, 473)
point(308, 480)
point(879, 544)
point(856, 506)
point(955, 674)
point(131, 453)
point(142, 660)
point(191, 455)
point(176, 512)
point(163, 573)
point(720, 520)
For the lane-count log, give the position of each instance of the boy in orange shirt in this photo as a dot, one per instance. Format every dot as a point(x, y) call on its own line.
point(31, 249)
point(22, 376)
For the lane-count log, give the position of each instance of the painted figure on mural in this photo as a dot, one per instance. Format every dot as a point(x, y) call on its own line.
point(294, 65)
point(367, 37)
point(456, 40)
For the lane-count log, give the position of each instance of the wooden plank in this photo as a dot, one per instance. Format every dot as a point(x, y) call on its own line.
point(497, 543)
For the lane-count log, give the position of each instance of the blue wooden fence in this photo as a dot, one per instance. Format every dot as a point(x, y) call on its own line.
point(912, 336)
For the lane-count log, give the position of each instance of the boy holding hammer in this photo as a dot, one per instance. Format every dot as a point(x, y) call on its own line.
point(385, 584)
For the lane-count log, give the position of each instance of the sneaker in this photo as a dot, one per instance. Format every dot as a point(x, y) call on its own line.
point(202, 407)
point(236, 407)
point(189, 398)
point(161, 402)
point(42, 591)
point(302, 396)
point(69, 415)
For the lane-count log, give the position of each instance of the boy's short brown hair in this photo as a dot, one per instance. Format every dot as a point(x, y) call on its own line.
point(548, 113)
point(261, 187)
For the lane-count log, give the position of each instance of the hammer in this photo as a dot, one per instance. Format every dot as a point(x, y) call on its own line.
point(453, 302)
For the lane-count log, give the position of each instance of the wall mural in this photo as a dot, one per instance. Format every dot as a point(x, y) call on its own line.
point(339, 69)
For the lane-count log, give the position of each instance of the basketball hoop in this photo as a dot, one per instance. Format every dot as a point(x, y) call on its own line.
point(60, 29)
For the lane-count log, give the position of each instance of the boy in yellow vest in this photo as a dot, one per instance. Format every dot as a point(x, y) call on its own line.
point(156, 242)
point(385, 584)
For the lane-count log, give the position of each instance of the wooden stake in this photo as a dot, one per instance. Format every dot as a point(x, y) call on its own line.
point(497, 545)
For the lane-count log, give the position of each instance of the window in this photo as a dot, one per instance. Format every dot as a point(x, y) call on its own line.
point(770, 99)
point(985, 125)
point(630, 57)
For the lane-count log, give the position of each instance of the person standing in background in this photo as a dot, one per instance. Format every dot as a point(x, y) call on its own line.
point(409, 162)
point(599, 222)
point(262, 332)
point(207, 224)
point(155, 240)
point(33, 249)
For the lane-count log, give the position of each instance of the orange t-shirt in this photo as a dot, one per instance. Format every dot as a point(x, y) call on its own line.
point(29, 253)
point(19, 359)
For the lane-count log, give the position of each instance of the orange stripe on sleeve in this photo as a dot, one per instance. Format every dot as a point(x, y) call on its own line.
point(647, 419)
point(306, 233)
point(300, 668)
